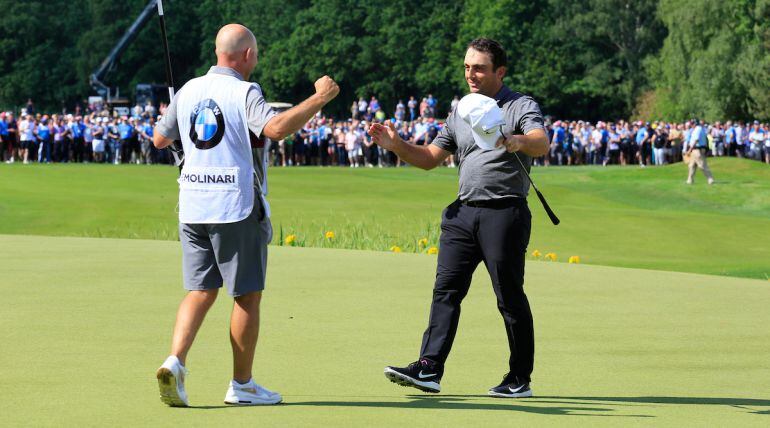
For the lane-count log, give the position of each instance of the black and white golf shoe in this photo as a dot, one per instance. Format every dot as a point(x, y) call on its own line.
point(511, 387)
point(422, 374)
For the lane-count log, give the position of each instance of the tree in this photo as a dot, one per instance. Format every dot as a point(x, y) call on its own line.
point(714, 63)
point(37, 52)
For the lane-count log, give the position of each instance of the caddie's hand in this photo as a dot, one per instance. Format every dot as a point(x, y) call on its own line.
point(511, 144)
point(327, 88)
point(384, 135)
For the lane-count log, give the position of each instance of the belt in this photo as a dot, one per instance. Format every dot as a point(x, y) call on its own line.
point(496, 203)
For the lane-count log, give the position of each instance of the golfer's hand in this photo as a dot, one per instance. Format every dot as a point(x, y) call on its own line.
point(511, 144)
point(327, 88)
point(385, 135)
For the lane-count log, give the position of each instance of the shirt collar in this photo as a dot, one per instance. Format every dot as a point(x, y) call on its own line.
point(227, 71)
point(503, 95)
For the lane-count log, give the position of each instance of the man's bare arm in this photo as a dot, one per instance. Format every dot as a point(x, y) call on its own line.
point(293, 119)
point(425, 157)
point(160, 141)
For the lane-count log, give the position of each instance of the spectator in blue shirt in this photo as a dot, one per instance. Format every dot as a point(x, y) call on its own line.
point(5, 143)
point(641, 138)
point(603, 144)
point(43, 133)
point(557, 144)
point(125, 133)
point(144, 130)
point(730, 141)
point(432, 105)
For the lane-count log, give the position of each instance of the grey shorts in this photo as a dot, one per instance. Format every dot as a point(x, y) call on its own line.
point(233, 254)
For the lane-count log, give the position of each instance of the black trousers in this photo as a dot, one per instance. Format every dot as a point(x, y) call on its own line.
point(498, 236)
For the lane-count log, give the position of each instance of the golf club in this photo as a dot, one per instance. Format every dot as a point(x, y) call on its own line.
point(176, 148)
point(555, 220)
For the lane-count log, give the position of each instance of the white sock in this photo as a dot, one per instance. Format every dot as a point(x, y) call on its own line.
point(172, 360)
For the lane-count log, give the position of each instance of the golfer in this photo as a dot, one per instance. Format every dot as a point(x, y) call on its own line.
point(224, 219)
point(489, 222)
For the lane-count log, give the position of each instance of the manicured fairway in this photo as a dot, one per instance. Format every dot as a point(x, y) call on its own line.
point(85, 323)
point(631, 217)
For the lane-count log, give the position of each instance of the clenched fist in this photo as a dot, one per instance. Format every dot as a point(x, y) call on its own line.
point(327, 88)
point(512, 143)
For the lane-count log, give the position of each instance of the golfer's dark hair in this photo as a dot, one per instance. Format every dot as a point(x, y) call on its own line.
point(491, 47)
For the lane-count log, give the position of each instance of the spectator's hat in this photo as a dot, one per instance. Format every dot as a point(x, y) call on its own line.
point(484, 117)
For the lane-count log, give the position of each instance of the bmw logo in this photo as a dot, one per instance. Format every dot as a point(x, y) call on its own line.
point(207, 125)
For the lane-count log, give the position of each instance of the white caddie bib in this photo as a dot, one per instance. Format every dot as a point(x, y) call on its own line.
point(217, 181)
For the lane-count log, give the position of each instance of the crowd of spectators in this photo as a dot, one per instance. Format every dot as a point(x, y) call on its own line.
point(326, 141)
point(102, 136)
point(658, 143)
point(98, 136)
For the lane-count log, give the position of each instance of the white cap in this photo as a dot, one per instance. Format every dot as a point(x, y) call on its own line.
point(484, 117)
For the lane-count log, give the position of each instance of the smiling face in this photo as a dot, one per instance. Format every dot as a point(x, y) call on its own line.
point(480, 73)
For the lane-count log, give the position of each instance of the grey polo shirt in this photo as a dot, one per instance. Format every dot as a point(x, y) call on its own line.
point(492, 174)
point(258, 113)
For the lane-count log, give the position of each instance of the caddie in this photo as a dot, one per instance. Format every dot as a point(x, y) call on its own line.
point(224, 218)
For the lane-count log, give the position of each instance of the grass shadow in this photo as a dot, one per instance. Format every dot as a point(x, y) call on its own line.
point(698, 401)
point(219, 406)
point(675, 400)
point(462, 402)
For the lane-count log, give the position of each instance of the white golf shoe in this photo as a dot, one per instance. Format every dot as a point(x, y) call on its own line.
point(250, 394)
point(171, 377)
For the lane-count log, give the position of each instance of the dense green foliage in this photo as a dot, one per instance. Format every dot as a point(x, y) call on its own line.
point(88, 319)
point(629, 217)
point(715, 62)
point(580, 58)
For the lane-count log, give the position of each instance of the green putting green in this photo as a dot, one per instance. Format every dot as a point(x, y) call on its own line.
point(629, 217)
point(85, 323)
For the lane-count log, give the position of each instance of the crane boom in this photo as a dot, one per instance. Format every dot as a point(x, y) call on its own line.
point(96, 79)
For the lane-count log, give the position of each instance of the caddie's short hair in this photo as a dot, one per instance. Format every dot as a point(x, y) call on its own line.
point(491, 47)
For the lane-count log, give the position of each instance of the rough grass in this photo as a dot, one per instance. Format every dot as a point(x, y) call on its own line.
point(631, 217)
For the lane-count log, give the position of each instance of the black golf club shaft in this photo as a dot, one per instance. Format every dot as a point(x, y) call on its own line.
point(176, 148)
point(555, 220)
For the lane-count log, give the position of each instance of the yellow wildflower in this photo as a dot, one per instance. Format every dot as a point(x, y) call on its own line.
point(290, 239)
point(423, 242)
point(536, 254)
point(329, 235)
point(551, 257)
point(395, 249)
point(432, 250)
point(574, 259)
